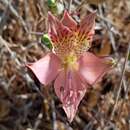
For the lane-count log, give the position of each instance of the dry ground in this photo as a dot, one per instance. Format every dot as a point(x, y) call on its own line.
point(27, 105)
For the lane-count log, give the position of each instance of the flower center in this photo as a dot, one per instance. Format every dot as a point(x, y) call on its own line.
point(70, 61)
point(74, 43)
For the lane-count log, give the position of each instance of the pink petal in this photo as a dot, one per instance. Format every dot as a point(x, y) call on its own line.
point(56, 29)
point(46, 69)
point(68, 21)
point(93, 68)
point(87, 26)
point(70, 88)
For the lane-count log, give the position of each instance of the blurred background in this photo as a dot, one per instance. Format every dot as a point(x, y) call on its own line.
point(25, 104)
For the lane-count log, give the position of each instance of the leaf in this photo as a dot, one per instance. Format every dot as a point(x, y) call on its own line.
point(52, 5)
point(46, 41)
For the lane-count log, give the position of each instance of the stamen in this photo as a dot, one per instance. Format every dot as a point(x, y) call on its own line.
point(71, 45)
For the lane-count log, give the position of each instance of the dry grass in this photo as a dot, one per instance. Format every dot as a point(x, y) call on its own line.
point(25, 104)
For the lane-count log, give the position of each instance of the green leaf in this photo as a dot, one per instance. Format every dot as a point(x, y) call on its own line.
point(51, 3)
point(46, 41)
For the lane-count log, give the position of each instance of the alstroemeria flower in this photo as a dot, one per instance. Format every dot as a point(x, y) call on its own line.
point(70, 64)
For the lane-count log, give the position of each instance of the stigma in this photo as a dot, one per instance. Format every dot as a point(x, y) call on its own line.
point(70, 61)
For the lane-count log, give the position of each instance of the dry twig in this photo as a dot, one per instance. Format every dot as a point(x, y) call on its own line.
point(121, 80)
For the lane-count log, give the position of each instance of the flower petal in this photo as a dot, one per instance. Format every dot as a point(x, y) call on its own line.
point(68, 21)
point(70, 88)
point(46, 69)
point(56, 29)
point(87, 26)
point(93, 67)
point(71, 109)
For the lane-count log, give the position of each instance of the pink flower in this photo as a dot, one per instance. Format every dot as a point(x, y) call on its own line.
point(70, 64)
